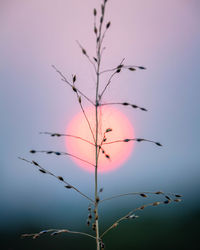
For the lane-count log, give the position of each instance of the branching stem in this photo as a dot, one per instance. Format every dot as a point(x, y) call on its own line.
point(62, 153)
point(128, 215)
point(68, 135)
point(98, 56)
point(55, 232)
point(64, 79)
point(57, 177)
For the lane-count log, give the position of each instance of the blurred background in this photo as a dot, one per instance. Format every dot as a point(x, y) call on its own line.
point(161, 35)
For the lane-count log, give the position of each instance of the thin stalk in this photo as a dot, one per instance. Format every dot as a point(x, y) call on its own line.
point(97, 127)
point(127, 216)
point(67, 135)
point(86, 118)
point(143, 194)
point(96, 156)
point(55, 232)
point(61, 153)
point(109, 81)
point(87, 57)
point(57, 177)
point(64, 79)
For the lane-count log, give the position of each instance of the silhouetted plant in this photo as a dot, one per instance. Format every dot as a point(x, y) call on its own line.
point(100, 30)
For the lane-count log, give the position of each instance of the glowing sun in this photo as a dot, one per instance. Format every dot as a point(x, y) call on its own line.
point(117, 153)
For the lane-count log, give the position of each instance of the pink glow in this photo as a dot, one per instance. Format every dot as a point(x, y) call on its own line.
point(118, 152)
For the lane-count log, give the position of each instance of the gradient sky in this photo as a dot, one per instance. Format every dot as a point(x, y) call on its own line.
point(161, 35)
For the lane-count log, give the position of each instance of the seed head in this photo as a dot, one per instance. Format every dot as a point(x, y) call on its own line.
point(84, 51)
point(108, 25)
point(156, 203)
point(107, 156)
point(132, 216)
point(141, 67)
point(95, 30)
point(115, 225)
point(43, 232)
point(74, 78)
point(159, 192)
point(120, 66)
point(32, 151)
point(60, 178)
point(143, 195)
point(134, 106)
point(167, 197)
point(125, 103)
point(102, 245)
point(54, 233)
point(118, 70)
point(177, 200)
point(74, 89)
point(139, 139)
point(57, 153)
point(35, 163)
point(178, 195)
point(143, 109)
point(42, 171)
point(35, 236)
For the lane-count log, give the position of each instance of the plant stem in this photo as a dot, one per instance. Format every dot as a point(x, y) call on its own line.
point(98, 43)
point(96, 157)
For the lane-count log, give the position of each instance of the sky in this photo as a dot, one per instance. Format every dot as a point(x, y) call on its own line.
point(161, 35)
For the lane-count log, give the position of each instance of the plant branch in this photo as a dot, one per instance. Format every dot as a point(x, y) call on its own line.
point(110, 79)
point(85, 53)
point(134, 139)
point(124, 104)
point(129, 67)
point(98, 56)
point(142, 194)
point(86, 118)
point(67, 135)
point(64, 79)
point(130, 214)
point(45, 171)
point(55, 232)
point(61, 153)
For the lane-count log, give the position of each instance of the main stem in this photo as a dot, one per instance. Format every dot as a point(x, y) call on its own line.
point(99, 43)
point(96, 163)
point(97, 147)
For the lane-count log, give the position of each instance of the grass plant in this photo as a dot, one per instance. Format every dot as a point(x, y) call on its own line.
point(98, 140)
